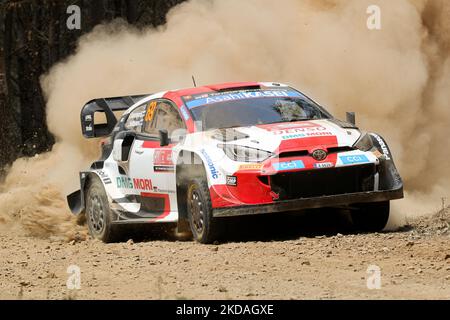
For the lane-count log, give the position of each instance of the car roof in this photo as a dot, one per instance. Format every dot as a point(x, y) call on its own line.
point(227, 86)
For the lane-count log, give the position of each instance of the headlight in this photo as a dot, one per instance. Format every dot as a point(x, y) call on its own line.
point(245, 154)
point(364, 143)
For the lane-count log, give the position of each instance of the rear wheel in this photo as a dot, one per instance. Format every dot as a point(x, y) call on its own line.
point(371, 217)
point(204, 227)
point(98, 212)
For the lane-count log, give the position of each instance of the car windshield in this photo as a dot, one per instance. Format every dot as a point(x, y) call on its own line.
point(252, 107)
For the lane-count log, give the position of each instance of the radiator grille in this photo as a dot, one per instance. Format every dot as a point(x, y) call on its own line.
point(324, 182)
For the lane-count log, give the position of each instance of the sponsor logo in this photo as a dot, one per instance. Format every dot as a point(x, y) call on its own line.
point(303, 129)
point(163, 157)
point(319, 134)
point(306, 135)
point(250, 167)
point(136, 183)
point(158, 190)
point(323, 165)
point(162, 160)
point(136, 118)
point(210, 98)
point(361, 158)
point(290, 165)
point(383, 146)
point(293, 136)
point(232, 181)
point(210, 163)
point(143, 184)
point(163, 169)
point(124, 183)
point(319, 154)
point(105, 177)
point(134, 123)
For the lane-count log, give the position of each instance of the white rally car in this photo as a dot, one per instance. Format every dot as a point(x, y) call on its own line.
point(196, 156)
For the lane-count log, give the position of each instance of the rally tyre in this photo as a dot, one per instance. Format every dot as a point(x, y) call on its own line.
point(204, 227)
point(98, 213)
point(371, 217)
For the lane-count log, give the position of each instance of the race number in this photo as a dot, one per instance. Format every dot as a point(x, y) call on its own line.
point(150, 111)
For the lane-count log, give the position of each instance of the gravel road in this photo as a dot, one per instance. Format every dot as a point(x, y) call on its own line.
point(275, 261)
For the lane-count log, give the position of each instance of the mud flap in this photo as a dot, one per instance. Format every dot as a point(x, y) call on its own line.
point(74, 200)
point(183, 226)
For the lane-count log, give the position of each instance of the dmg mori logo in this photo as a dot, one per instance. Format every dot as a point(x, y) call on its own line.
point(319, 154)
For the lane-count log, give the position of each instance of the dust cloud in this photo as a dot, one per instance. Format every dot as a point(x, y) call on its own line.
point(396, 79)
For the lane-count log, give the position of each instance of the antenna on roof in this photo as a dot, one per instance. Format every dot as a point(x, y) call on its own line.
point(193, 80)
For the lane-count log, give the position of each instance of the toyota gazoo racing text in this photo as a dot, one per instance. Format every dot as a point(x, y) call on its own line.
point(196, 156)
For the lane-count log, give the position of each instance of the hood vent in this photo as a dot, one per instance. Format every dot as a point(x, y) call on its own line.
point(300, 153)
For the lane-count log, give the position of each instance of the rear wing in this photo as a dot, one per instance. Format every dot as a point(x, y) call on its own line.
point(107, 107)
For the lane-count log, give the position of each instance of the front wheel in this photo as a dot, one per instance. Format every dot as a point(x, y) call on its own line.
point(204, 227)
point(371, 217)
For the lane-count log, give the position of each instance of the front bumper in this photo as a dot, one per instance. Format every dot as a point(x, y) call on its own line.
point(310, 203)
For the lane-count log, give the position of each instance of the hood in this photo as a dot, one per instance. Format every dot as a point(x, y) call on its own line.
point(290, 136)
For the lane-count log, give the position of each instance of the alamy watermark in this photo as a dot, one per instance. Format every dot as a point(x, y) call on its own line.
point(374, 19)
point(74, 20)
point(74, 279)
point(373, 280)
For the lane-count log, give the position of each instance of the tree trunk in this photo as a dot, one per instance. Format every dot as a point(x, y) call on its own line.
point(33, 36)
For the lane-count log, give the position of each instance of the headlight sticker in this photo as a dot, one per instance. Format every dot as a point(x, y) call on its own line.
point(289, 165)
point(354, 159)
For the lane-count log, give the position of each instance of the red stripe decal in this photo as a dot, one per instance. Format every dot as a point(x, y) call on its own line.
point(166, 203)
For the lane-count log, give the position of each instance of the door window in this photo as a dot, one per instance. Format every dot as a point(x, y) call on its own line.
point(164, 116)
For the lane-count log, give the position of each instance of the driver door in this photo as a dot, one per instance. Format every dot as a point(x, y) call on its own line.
point(151, 168)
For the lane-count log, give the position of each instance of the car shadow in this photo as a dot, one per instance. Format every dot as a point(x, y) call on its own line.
point(287, 226)
point(262, 228)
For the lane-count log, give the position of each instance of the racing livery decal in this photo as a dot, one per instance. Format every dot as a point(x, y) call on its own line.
point(354, 159)
point(210, 164)
point(162, 161)
point(291, 165)
point(210, 98)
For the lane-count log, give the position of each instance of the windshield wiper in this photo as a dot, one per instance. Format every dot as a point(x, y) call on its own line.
point(281, 121)
point(298, 120)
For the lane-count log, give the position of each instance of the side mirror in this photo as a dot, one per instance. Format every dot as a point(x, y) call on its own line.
point(164, 138)
point(351, 118)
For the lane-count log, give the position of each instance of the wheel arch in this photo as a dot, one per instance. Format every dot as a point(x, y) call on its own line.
point(77, 200)
point(189, 165)
point(389, 175)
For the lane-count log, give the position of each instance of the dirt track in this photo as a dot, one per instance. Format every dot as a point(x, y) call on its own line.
point(275, 262)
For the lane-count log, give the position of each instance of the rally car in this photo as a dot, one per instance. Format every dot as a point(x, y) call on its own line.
point(196, 156)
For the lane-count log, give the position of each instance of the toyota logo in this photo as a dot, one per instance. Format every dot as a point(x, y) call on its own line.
point(319, 154)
